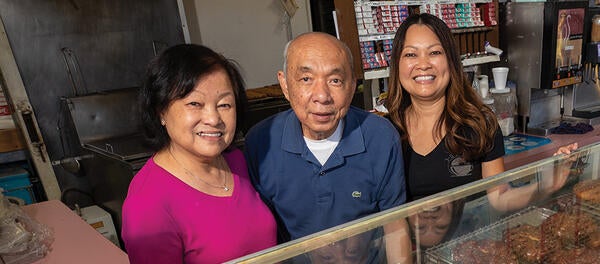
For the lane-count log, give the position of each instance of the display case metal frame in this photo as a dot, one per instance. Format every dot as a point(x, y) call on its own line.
point(533, 173)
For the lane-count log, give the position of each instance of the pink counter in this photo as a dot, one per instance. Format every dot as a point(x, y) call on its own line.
point(74, 240)
point(545, 151)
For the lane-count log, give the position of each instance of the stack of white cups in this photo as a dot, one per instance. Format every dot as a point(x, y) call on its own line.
point(500, 75)
point(504, 102)
point(483, 85)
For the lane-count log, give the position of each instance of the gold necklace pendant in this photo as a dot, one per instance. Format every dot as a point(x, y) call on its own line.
point(223, 187)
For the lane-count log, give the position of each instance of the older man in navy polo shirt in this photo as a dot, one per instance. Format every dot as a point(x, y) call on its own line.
point(324, 163)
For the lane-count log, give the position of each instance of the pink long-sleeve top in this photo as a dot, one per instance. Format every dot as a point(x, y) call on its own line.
point(167, 221)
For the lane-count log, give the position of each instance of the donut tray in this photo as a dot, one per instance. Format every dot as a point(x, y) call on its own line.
point(532, 215)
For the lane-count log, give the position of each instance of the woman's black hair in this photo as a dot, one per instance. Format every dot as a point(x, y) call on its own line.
point(173, 75)
point(457, 212)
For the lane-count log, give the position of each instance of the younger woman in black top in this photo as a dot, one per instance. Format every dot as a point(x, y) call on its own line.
point(450, 137)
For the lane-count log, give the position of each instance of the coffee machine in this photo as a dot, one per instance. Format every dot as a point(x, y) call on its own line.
point(585, 97)
point(544, 44)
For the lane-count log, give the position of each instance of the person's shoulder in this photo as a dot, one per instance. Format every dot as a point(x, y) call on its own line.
point(144, 175)
point(145, 188)
point(149, 182)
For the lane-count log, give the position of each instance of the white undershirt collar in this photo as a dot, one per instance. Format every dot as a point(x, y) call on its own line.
point(322, 149)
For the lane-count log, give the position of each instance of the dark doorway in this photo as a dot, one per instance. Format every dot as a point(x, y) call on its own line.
point(322, 15)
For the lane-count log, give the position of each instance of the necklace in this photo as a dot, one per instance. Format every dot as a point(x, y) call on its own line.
point(189, 173)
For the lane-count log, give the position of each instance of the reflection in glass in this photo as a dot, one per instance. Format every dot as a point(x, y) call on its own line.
point(350, 250)
point(436, 225)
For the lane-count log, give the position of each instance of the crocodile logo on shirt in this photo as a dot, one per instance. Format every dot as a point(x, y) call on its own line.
point(356, 194)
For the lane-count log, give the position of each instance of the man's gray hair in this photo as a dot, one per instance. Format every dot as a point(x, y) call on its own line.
point(285, 53)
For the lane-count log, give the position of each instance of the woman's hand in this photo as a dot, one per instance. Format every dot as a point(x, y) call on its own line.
point(566, 149)
point(561, 170)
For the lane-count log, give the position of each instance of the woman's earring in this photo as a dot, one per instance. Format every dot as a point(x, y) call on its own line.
point(162, 122)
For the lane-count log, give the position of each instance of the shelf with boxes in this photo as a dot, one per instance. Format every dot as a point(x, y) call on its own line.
point(6, 121)
point(10, 137)
point(377, 22)
point(15, 180)
point(16, 185)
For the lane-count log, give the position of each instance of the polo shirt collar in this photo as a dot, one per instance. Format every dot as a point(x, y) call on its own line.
point(352, 141)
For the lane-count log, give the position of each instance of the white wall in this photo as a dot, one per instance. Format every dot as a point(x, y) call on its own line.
point(253, 33)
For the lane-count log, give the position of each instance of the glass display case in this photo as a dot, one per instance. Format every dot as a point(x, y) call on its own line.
point(551, 216)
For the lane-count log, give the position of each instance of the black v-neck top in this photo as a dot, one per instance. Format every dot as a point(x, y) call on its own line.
point(441, 170)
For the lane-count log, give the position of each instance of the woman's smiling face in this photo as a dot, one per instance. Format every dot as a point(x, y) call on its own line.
point(203, 123)
point(423, 66)
point(432, 225)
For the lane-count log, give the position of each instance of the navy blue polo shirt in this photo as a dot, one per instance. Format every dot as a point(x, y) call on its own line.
point(363, 175)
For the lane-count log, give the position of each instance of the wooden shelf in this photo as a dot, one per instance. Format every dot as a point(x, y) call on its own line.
point(471, 30)
point(480, 60)
point(376, 74)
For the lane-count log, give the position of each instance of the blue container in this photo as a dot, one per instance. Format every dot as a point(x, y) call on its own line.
point(15, 182)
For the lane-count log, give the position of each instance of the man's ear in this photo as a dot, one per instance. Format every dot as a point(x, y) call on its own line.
point(283, 84)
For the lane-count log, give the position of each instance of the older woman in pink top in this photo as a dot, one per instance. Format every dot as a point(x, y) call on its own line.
point(193, 202)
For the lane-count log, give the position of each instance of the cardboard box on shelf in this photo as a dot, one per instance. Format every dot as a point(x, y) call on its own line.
point(6, 121)
point(11, 140)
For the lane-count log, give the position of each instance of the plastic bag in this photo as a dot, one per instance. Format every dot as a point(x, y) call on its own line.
point(22, 238)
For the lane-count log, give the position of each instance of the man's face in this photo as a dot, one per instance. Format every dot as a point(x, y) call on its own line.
point(319, 84)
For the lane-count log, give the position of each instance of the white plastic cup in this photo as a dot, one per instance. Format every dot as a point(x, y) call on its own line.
point(500, 75)
point(483, 85)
